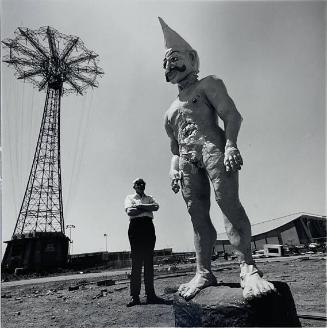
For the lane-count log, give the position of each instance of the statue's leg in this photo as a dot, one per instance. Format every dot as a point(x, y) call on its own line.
point(236, 223)
point(196, 193)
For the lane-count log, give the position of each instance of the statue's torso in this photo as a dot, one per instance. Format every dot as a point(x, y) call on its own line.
point(194, 122)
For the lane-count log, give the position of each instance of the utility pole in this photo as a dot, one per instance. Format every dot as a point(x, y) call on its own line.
point(70, 227)
point(106, 237)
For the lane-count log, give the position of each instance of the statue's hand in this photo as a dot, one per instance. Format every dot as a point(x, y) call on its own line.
point(175, 186)
point(174, 174)
point(175, 179)
point(233, 159)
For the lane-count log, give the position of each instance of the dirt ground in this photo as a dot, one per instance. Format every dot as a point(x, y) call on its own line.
point(52, 304)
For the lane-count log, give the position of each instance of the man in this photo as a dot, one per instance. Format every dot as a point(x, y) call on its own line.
point(203, 152)
point(142, 238)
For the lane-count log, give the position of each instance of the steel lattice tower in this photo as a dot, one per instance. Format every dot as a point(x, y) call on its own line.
point(58, 64)
point(41, 209)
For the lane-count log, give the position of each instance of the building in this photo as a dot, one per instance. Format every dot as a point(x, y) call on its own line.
point(294, 229)
point(112, 260)
point(36, 251)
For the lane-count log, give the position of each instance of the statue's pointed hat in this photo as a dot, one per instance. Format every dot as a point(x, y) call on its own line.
point(173, 41)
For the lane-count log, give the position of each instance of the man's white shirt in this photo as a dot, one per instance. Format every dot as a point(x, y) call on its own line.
point(136, 199)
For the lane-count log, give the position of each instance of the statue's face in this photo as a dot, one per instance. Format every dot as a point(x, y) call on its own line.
point(177, 66)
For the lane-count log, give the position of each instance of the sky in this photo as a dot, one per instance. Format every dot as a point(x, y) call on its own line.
point(271, 57)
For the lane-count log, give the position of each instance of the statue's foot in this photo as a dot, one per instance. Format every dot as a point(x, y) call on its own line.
point(253, 284)
point(199, 281)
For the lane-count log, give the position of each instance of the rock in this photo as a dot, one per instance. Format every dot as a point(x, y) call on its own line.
point(107, 282)
point(306, 258)
point(172, 268)
point(103, 293)
point(224, 306)
point(71, 288)
point(118, 289)
point(170, 290)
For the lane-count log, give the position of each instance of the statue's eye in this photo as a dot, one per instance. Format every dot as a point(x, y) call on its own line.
point(174, 59)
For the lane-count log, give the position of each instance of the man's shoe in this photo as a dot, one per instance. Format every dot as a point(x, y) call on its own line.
point(154, 299)
point(133, 301)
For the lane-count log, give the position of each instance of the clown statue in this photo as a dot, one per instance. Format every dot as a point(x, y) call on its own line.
point(204, 153)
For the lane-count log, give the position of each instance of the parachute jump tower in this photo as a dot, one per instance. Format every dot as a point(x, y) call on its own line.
point(59, 65)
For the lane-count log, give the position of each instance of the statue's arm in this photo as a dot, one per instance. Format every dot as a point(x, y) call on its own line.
point(174, 164)
point(218, 97)
point(174, 172)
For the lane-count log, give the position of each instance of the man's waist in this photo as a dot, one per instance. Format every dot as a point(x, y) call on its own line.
point(141, 218)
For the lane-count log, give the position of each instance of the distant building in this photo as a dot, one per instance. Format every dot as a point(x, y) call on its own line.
point(293, 229)
point(36, 251)
point(112, 260)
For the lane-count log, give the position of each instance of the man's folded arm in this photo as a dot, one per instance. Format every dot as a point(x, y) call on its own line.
point(149, 207)
point(131, 211)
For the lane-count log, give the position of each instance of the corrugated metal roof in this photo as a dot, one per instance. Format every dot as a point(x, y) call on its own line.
point(268, 225)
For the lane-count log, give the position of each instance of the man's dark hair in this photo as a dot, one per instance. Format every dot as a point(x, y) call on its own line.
point(139, 181)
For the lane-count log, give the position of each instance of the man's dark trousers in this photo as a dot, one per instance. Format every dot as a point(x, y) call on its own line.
point(142, 239)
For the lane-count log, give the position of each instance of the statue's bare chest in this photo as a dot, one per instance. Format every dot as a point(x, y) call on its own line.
point(191, 107)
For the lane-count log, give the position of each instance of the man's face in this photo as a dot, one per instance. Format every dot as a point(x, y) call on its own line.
point(139, 187)
point(177, 66)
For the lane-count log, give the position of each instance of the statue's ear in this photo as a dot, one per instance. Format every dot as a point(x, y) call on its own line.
point(193, 55)
point(194, 60)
